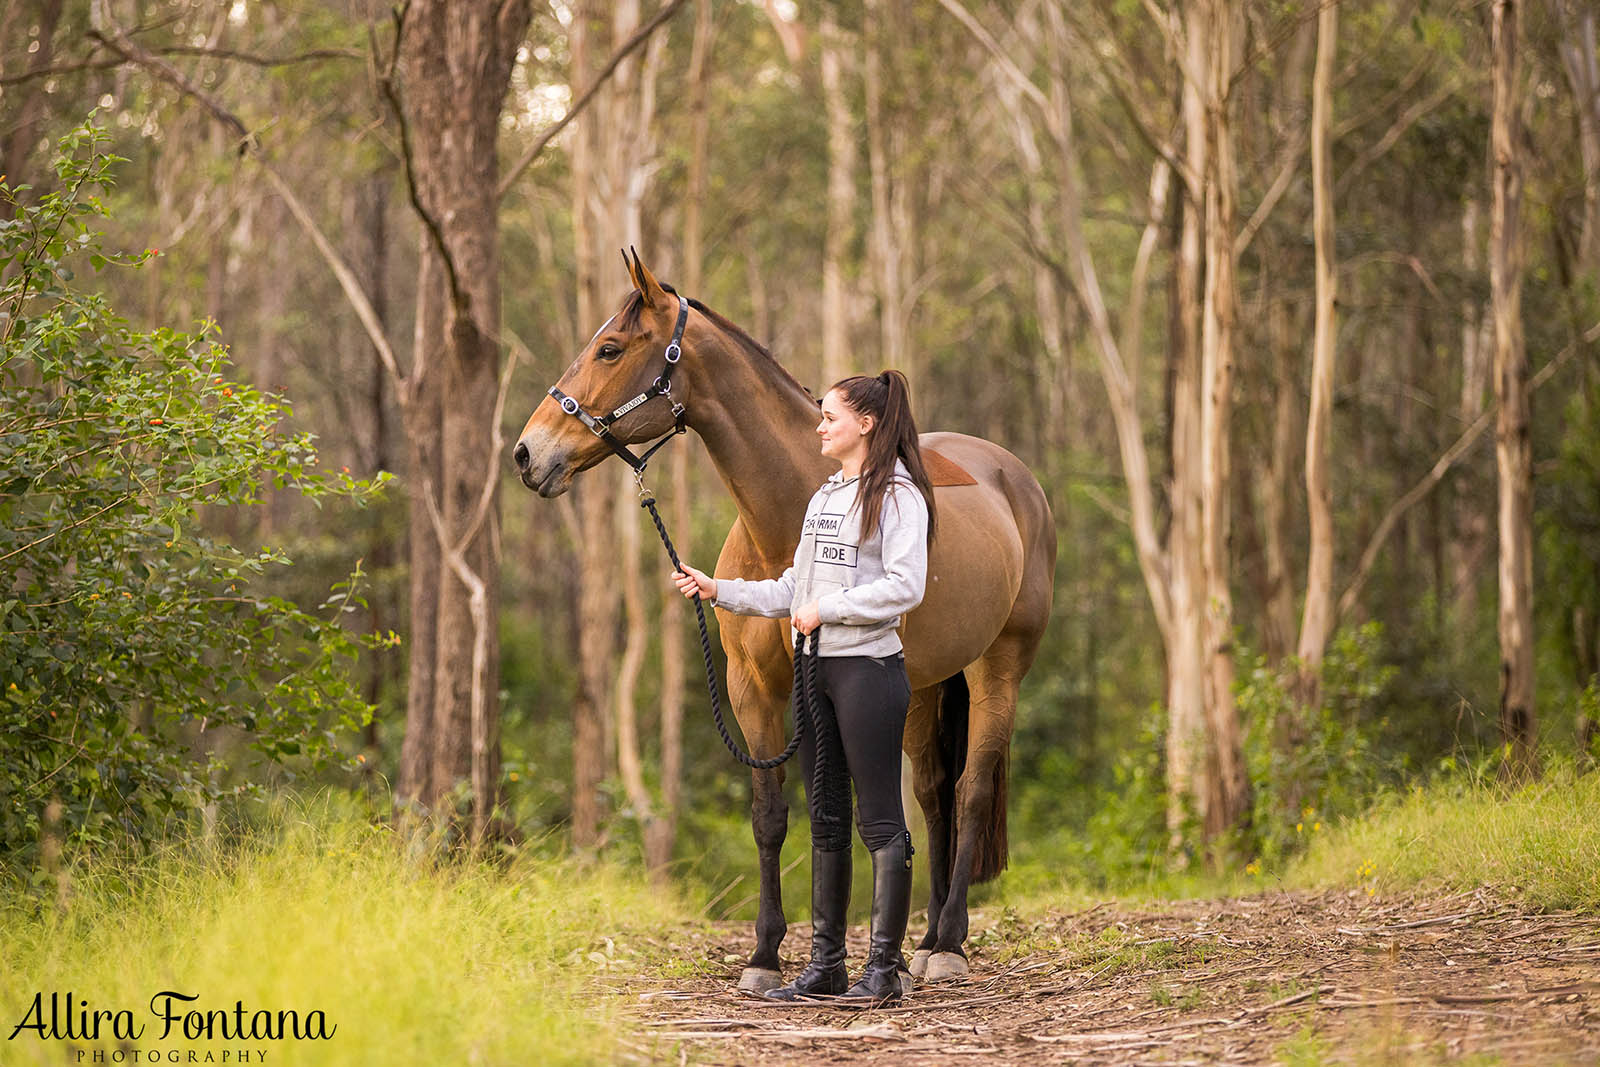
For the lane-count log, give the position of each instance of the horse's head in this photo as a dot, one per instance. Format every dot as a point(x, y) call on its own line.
point(621, 363)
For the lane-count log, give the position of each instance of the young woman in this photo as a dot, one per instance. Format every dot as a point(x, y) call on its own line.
point(861, 564)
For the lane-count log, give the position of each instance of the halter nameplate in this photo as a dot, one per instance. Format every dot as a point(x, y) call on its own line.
point(630, 405)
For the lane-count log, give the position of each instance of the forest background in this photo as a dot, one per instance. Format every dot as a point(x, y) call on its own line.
point(1290, 308)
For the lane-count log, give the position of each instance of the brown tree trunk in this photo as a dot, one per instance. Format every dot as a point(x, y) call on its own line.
point(1226, 796)
point(372, 235)
point(593, 499)
point(661, 836)
point(1513, 451)
point(1278, 625)
point(421, 415)
point(456, 60)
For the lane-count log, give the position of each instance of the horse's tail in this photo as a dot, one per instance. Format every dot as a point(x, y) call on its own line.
point(989, 858)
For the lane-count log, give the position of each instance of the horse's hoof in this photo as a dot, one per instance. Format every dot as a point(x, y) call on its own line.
point(943, 966)
point(919, 962)
point(759, 979)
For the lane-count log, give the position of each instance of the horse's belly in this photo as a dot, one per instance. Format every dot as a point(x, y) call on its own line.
point(974, 573)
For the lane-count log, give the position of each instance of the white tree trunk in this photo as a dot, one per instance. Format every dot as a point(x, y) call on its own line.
point(1317, 619)
point(1513, 452)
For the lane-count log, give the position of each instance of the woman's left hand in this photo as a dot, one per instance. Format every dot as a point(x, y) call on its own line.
point(807, 618)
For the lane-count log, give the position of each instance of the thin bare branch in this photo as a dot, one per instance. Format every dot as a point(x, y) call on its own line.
point(1436, 474)
point(248, 146)
point(312, 56)
point(627, 48)
point(116, 42)
point(1407, 119)
point(1001, 59)
point(1288, 164)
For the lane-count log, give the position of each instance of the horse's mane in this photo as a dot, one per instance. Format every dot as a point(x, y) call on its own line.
point(633, 307)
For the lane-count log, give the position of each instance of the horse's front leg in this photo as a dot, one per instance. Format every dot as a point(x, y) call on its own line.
point(759, 673)
point(769, 819)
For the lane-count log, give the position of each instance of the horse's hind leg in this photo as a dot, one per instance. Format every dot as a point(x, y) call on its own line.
point(928, 782)
point(980, 849)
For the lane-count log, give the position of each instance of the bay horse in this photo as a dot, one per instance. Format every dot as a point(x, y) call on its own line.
point(967, 646)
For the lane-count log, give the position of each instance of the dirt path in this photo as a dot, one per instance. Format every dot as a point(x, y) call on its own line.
point(1278, 978)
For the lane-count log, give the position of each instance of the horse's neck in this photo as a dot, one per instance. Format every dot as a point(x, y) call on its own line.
point(759, 426)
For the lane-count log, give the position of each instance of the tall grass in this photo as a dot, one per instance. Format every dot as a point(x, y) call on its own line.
point(414, 961)
point(1539, 842)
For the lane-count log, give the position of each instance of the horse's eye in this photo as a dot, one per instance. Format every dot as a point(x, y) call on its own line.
point(608, 352)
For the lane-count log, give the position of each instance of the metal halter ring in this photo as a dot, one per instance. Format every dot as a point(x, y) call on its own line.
point(569, 405)
point(674, 350)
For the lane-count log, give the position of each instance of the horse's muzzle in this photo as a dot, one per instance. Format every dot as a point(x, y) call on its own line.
point(547, 475)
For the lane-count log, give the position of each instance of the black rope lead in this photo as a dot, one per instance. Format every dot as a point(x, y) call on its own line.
point(805, 668)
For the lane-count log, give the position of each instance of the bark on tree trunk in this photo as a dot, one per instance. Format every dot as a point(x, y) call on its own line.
point(1578, 59)
point(455, 60)
point(1470, 528)
point(1317, 619)
point(594, 499)
point(421, 417)
point(661, 836)
point(891, 235)
point(1187, 736)
point(1513, 452)
point(841, 203)
point(1223, 791)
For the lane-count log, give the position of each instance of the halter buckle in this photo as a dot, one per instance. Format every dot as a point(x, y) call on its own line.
point(674, 351)
point(569, 405)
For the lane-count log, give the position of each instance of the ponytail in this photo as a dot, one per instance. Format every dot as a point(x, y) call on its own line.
point(887, 398)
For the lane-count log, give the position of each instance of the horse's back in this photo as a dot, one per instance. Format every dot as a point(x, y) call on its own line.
point(992, 562)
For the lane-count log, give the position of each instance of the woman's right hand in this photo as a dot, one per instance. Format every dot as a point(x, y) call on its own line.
point(691, 582)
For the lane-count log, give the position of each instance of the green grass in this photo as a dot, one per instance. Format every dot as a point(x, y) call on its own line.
point(414, 961)
point(1539, 843)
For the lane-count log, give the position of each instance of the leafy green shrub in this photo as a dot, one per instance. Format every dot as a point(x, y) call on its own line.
point(1119, 840)
point(1308, 764)
point(125, 630)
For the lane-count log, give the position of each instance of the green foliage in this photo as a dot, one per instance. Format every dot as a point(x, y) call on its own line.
point(413, 960)
point(1308, 764)
point(1121, 841)
point(124, 628)
point(1467, 829)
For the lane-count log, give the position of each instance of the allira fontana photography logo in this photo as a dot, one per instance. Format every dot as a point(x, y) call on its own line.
point(171, 1016)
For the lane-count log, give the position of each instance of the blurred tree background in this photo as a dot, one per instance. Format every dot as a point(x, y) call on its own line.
point(1098, 234)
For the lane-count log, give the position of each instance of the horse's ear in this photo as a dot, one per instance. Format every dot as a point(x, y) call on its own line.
point(628, 264)
point(646, 282)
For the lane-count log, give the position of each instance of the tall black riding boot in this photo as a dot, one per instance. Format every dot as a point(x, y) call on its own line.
point(884, 980)
point(825, 975)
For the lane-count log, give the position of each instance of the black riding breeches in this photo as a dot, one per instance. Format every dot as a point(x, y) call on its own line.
point(861, 704)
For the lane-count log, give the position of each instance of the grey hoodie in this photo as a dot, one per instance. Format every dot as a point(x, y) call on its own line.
point(862, 588)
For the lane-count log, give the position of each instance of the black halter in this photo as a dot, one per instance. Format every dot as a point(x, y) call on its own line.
point(662, 386)
point(805, 649)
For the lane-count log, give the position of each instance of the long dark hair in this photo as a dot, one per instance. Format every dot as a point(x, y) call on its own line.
point(887, 398)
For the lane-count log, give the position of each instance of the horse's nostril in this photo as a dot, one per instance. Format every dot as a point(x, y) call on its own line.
point(520, 454)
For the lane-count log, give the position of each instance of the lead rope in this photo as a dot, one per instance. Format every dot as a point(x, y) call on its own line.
point(805, 669)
